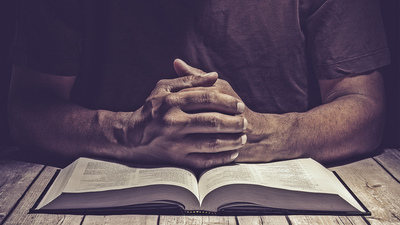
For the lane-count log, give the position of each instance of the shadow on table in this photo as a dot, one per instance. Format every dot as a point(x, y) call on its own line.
point(57, 160)
point(35, 156)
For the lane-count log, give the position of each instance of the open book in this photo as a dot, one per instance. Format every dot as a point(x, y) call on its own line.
point(300, 186)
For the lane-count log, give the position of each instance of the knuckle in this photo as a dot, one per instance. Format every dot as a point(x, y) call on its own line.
point(213, 144)
point(214, 122)
point(164, 84)
point(208, 163)
point(208, 122)
point(171, 100)
point(208, 97)
point(148, 104)
point(205, 163)
point(161, 83)
point(169, 120)
point(197, 145)
point(173, 120)
point(188, 79)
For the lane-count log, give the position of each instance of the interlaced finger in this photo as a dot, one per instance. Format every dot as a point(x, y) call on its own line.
point(206, 101)
point(207, 160)
point(212, 123)
point(180, 83)
point(212, 143)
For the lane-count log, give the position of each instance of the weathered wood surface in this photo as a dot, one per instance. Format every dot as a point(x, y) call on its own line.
point(120, 220)
point(15, 179)
point(350, 220)
point(245, 220)
point(20, 214)
point(376, 189)
point(390, 160)
point(375, 181)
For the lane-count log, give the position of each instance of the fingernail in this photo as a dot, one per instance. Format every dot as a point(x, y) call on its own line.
point(234, 155)
point(240, 107)
point(244, 139)
point(245, 123)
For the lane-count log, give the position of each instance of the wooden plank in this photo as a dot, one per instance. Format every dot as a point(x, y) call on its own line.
point(197, 220)
point(351, 220)
point(261, 220)
point(376, 189)
point(15, 178)
point(379, 192)
point(21, 216)
point(390, 160)
point(120, 220)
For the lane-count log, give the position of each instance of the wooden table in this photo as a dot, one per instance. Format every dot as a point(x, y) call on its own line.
point(374, 180)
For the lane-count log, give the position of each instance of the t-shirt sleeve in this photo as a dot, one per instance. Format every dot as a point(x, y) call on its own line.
point(48, 37)
point(345, 37)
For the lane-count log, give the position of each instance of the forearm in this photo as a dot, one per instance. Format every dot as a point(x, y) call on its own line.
point(327, 133)
point(349, 126)
point(346, 125)
point(45, 122)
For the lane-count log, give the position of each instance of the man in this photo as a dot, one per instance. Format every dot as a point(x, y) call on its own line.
point(95, 78)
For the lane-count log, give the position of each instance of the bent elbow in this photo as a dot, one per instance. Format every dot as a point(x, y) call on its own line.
point(373, 132)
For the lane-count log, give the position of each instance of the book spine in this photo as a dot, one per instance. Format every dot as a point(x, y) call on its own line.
point(202, 212)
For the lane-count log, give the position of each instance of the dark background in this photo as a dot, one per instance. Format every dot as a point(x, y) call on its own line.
point(390, 14)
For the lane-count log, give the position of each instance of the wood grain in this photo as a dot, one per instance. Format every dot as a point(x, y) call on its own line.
point(376, 189)
point(21, 216)
point(390, 160)
point(350, 220)
point(15, 178)
point(262, 220)
point(120, 220)
point(365, 177)
point(373, 180)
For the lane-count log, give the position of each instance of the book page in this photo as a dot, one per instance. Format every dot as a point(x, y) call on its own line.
point(299, 175)
point(95, 175)
point(58, 185)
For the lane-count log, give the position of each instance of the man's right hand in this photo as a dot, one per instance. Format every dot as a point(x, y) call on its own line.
point(186, 121)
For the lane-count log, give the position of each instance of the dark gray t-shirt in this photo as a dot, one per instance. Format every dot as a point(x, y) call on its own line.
point(271, 51)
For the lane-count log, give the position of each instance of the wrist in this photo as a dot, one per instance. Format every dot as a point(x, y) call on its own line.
point(271, 137)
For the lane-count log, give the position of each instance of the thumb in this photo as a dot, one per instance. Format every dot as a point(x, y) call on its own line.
point(183, 69)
